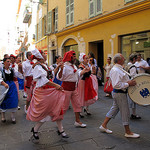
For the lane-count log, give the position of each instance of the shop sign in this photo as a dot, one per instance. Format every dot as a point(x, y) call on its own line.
point(146, 44)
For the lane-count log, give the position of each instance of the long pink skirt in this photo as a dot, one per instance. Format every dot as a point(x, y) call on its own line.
point(81, 87)
point(44, 103)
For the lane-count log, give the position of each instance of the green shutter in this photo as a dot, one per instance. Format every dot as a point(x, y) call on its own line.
point(98, 7)
point(67, 12)
point(91, 8)
point(41, 33)
point(39, 30)
point(126, 1)
point(56, 19)
point(36, 32)
point(49, 22)
point(44, 25)
point(71, 12)
point(40, 1)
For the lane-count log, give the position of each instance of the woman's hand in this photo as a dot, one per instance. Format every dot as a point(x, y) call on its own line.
point(58, 87)
point(6, 86)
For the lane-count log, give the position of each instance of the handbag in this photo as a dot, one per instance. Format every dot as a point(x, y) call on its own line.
point(108, 87)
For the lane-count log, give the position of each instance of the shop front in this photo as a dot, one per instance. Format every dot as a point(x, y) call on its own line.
point(136, 43)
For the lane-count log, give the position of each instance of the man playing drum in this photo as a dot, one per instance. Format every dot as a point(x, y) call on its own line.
point(120, 83)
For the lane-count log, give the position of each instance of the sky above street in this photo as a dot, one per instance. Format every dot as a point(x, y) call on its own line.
point(8, 10)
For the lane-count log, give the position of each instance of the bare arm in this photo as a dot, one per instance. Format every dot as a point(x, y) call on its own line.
point(4, 84)
point(57, 86)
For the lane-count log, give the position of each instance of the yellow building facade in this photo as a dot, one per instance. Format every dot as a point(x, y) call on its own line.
point(104, 27)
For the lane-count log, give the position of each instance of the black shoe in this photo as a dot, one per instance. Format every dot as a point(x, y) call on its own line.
point(63, 134)
point(13, 122)
point(135, 117)
point(3, 120)
point(36, 137)
point(81, 115)
point(24, 96)
point(88, 113)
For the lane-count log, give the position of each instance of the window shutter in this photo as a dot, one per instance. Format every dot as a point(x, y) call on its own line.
point(98, 7)
point(49, 22)
point(126, 1)
point(67, 12)
point(41, 33)
point(71, 11)
point(45, 25)
point(39, 30)
point(56, 19)
point(91, 8)
point(36, 32)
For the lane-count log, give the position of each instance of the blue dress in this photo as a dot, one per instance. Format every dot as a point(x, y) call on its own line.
point(21, 83)
point(11, 98)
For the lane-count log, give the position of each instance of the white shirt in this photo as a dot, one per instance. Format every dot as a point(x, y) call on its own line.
point(40, 75)
point(132, 70)
point(68, 73)
point(118, 77)
point(27, 68)
point(108, 68)
point(142, 63)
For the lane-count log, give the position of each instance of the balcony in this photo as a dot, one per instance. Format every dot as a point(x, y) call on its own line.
point(27, 15)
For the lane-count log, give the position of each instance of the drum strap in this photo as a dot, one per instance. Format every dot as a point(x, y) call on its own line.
point(123, 70)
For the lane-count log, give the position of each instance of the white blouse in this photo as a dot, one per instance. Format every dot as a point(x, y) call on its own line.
point(68, 73)
point(8, 72)
point(108, 68)
point(40, 75)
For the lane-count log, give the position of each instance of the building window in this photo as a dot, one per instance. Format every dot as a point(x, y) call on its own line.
point(44, 25)
point(127, 1)
point(49, 22)
point(139, 43)
point(36, 32)
point(95, 8)
point(69, 12)
point(52, 25)
point(40, 29)
point(56, 19)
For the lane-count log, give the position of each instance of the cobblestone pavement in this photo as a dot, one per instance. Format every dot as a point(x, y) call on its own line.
point(16, 136)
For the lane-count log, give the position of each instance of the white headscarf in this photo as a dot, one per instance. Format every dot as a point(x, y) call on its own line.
point(81, 57)
point(37, 54)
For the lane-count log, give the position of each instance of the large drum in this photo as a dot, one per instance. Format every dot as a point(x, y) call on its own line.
point(3, 92)
point(140, 93)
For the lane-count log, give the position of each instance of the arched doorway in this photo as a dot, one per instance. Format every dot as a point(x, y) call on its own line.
point(70, 43)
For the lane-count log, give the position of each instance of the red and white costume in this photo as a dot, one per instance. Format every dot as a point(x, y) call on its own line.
point(70, 78)
point(47, 102)
point(28, 73)
point(87, 86)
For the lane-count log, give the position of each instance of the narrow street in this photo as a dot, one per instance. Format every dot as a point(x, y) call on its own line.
point(16, 136)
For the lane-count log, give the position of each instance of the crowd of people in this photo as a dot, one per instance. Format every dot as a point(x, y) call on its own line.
point(49, 90)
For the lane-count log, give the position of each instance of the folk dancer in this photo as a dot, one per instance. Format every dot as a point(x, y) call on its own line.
point(15, 67)
point(28, 74)
point(10, 102)
point(120, 82)
point(87, 86)
point(47, 100)
point(69, 75)
point(55, 68)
